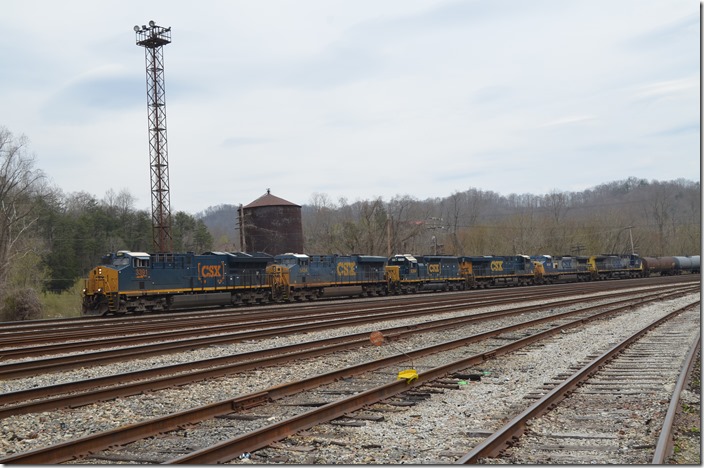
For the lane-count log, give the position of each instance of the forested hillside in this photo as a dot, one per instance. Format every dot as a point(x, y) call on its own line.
point(661, 218)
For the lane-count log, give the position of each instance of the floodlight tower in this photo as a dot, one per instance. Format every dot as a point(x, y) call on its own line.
point(153, 38)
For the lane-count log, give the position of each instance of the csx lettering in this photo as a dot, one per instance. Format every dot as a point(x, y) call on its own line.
point(210, 271)
point(434, 268)
point(497, 265)
point(346, 268)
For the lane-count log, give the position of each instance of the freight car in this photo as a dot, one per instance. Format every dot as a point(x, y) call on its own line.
point(667, 266)
point(696, 264)
point(686, 265)
point(662, 266)
point(138, 282)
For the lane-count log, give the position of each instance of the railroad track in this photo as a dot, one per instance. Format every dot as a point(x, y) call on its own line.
point(118, 385)
point(31, 343)
point(292, 390)
point(91, 330)
point(135, 347)
point(615, 409)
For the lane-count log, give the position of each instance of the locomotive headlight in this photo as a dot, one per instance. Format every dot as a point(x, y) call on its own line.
point(100, 290)
point(84, 290)
point(100, 271)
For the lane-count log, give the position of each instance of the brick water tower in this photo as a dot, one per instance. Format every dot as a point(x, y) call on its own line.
point(272, 225)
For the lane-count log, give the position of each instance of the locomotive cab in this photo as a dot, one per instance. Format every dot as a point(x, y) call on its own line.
point(100, 293)
point(288, 269)
point(408, 266)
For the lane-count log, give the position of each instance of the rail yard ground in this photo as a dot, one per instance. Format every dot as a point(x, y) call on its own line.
point(435, 424)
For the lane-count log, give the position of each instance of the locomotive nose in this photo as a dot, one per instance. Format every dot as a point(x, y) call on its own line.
point(98, 286)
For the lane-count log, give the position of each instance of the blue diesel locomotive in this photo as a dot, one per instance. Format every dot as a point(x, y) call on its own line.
point(136, 282)
point(410, 274)
point(511, 270)
point(298, 276)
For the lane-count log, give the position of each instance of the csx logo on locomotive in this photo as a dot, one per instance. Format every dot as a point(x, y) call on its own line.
point(497, 265)
point(434, 268)
point(346, 268)
point(210, 271)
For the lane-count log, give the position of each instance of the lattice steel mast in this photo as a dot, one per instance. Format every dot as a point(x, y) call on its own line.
point(153, 38)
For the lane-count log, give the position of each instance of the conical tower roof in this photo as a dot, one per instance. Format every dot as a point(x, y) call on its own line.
point(269, 200)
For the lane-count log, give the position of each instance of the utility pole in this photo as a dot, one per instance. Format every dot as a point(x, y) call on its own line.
point(434, 239)
point(630, 234)
point(388, 235)
point(153, 38)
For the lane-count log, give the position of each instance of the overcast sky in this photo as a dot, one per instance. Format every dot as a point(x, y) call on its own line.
point(356, 98)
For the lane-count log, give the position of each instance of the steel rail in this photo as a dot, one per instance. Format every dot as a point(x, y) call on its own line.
point(664, 446)
point(11, 332)
point(229, 449)
point(353, 318)
point(28, 368)
point(498, 441)
point(163, 324)
point(226, 365)
point(138, 337)
point(113, 326)
point(126, 434)
point(35, 326)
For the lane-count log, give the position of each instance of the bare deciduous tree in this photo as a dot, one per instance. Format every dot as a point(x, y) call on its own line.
point(21, 185)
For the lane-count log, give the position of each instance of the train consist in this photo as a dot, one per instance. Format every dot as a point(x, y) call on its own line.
point(136, 282)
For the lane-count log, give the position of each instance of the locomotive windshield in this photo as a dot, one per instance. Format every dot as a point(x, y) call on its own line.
point(124, 258)
point(291, 259)
point(115, 260)
point(402, 259)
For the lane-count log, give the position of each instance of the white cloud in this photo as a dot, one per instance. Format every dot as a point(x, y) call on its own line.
point(567, 121)
point(668, 87)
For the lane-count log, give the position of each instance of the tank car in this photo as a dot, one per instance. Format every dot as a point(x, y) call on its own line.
point(653, 265)
point(683, 265)
point(138, 281)
point(696, 264)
